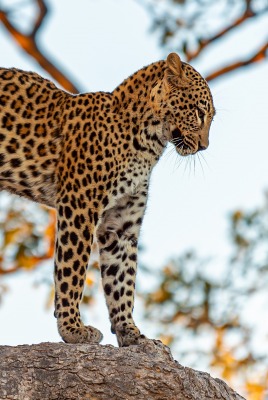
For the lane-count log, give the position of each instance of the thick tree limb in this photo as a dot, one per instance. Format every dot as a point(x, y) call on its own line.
point(66, 372)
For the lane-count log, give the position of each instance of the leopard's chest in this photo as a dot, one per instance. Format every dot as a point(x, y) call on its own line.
point(131, 178)
point(129, 182)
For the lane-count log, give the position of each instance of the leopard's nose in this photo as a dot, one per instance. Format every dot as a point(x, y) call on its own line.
point(203, 142)
point(201, 147)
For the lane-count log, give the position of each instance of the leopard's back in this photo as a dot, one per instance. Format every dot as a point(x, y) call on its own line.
point(30, 134)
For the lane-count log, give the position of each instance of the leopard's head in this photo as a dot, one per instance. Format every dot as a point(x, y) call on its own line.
point(183, 102)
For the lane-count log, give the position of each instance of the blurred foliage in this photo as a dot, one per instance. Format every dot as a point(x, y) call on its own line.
point(191, 27)
point(205, 314)
point(187, 25)
point(24, 240)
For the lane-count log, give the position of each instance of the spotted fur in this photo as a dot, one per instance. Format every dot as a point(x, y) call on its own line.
point(90, 157)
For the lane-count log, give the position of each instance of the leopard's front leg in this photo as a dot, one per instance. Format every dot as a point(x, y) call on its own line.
point(74, 240)
point(117, 239)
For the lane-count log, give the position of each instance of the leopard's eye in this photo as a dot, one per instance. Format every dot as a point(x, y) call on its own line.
point(200, 114)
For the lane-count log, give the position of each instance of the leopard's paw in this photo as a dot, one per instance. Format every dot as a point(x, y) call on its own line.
point(129, 335)
point(83, 334)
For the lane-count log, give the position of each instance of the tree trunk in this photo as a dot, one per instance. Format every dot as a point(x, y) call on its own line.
point(62, 371)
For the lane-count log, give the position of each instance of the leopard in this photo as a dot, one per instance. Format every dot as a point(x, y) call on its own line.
point(90, 157)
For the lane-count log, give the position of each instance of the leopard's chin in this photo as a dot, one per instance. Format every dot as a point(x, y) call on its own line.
point(184, 151)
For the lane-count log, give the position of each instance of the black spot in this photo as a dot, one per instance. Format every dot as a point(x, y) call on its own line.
point(59, 253)
point(86, 233)
point(112, 270)
point(76, 265)
point(68, 212)
point(121, 277)
point(107, 289)
point(41, 150)
point(133, 257)
point(105, 201)
point(127, 225)
point(64, 287)
point(68, 255)
point(115, 249)
point(65, 199)
point(7, 174)
point(111, 246)
point(80, 248)
point(65, 303)
point(136, 144)
point(82, 270)
point(67, 271)
point(74, 238)
point(103, 269)
point(77, 223)
point(96, 217)
point(15, 162)
point(116, 295)
point(75, 280)
point(64, 238)
point(59, 275)
point(2, 160)
point(131, 271)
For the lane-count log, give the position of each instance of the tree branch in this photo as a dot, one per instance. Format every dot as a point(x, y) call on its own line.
point(260, 55)
point(205, 42)
point(43, 10)
point(67, 371)
point(11, 270)
point(29, 45)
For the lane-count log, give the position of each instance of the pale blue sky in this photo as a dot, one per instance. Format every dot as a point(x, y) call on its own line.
point(101, 43)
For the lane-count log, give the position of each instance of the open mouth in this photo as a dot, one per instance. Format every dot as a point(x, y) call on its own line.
point(176, 134)
point(185, 145)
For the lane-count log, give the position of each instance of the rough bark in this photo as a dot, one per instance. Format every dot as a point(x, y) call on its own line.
point(94, 372)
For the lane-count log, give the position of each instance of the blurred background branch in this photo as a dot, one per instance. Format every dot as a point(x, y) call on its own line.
point(260, 55)
point(29, 42)
point(192, 27)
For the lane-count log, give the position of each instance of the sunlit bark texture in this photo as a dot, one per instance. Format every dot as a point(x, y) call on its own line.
point(61, 371)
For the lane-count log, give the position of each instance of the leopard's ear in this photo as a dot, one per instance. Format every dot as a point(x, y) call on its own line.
point(174, 74)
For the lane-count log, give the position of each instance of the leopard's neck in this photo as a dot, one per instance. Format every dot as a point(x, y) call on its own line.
point(131, 102)
point(137, 88)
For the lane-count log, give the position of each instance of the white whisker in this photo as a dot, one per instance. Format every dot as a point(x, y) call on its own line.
point(203, 157)
point(198, 155)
